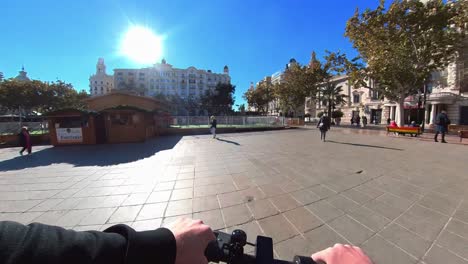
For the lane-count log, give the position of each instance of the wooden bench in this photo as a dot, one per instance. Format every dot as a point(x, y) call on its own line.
point(405, 130)
point(463, 134)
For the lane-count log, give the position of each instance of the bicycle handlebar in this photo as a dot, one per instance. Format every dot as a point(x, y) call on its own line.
point(229, 248)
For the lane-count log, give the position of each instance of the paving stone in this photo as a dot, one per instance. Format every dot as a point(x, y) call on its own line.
point(181, 184)
point(381, 251)
point(230, 199)
point(357, 196)
point(147, 224)
point(302, 219)
point(262, 208)
point(325, 211)
point(136, 198)
point(87, 228)
point(169, 220)
point(284, 202)
point(353, 231)
point(369, 218)
point(384, 209)
point(151, 211)
point(205, 203)
point(271, 190)
point(458, 227)
point(73, 217)
point(23, 218)
point(278, 228)
point(125, 214)
point(405, 239)
point(438, 254)
point(46, 205)
point(179, 207)
point(236, 215)
point(343, 203)
point(213, 218)
point(305, 196)
point(50, 217)
point(441, 203)
point(98, 216)
point(323, 237)
point(252, 193)
point(182, 194)
point(164, 186)
point(159, 196)
point(18, 206)
point(455, 243)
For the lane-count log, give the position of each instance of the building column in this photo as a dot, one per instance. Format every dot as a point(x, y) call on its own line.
point(433, 114)
point(392, 113)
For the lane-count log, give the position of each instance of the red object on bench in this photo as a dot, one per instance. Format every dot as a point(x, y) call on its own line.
point(404, 130)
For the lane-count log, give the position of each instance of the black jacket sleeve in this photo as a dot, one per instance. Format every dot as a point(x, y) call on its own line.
point(119, 244)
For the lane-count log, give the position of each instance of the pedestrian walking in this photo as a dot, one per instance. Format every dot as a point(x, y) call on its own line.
point(323, 125)
point(358, 121)
point(442, 122)
point(25, 140)
point(213, 124)
point(364, 121)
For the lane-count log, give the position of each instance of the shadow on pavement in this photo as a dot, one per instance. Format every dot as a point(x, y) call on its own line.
point(363, 145)
point(92, 155)
point(228, 141)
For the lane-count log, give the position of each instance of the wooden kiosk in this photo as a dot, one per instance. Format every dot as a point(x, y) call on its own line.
point(112, 118)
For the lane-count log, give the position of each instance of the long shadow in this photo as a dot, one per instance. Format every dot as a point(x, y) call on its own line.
point(363, 145)
point(92, 155)
point(228, 141)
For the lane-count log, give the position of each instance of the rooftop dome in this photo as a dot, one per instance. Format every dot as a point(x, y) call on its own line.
point(22, 76)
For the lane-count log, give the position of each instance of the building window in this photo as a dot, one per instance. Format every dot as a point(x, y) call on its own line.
point(120, 73)
point(142, 74)
point(141, 78)
point(356, 98)
point(375, 95)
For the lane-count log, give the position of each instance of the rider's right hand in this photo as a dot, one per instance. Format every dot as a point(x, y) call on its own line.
point(339, 254)
point(192, 238)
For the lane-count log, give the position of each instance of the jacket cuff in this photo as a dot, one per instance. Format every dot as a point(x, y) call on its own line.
point(155, 246)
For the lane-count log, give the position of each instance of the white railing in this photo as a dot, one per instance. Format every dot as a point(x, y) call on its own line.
point(204, 121)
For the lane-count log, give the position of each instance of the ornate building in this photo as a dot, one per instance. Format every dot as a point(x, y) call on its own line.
point(100, 83)
point(163, 78)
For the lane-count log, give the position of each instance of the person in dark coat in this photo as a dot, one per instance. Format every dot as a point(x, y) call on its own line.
point(323, 125)
point(25, 140)
point(213, 124)
point(357, 120)
point(442, 122)
point(364, 121)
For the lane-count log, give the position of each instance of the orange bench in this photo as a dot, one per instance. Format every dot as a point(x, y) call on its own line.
point(404, 130)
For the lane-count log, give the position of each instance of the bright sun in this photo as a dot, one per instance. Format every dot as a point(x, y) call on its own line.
point(141, 45)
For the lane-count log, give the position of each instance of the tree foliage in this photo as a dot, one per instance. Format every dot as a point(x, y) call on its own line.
point(260, 96)
point(220, 100)
point(39, 96)
point(332, 95)
point(400, 46)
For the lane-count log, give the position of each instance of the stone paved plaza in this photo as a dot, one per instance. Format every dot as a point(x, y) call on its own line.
point(402, 201)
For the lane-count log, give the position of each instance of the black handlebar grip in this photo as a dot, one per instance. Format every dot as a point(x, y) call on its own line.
point(213, 253)
point(305, 260)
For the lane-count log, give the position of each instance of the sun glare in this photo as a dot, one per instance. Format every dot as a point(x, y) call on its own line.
point(141, 45)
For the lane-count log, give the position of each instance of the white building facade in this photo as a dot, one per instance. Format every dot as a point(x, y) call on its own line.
point(100, 83)
point(163, 78)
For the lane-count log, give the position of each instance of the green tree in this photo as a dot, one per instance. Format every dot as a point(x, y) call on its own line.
point(400, 46)
point(220, 100)
point(260, 96)
point(331, 95)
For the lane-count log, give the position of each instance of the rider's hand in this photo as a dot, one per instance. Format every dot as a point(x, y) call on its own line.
point(192, 238)
point(342, 254)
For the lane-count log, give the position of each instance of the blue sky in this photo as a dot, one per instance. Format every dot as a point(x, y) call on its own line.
point(63, 39)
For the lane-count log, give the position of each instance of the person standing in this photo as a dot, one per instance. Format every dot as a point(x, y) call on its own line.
point(364, 121)
point(323, 125)
point(442, 123)
point(358, 121)
point(25, 140)
point(213, 124)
